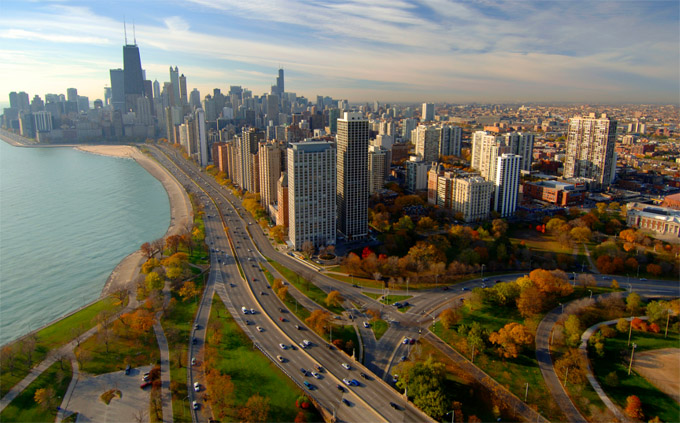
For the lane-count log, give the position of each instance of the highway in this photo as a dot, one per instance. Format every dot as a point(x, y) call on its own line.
point(371, 398)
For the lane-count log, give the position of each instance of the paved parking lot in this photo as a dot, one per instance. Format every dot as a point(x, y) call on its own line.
point(85, 399)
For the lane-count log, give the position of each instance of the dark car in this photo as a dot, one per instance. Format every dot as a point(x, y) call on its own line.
point(344, 401)
point(340, 388)
point(282, 319)
point(411, 341)
point(395, 406)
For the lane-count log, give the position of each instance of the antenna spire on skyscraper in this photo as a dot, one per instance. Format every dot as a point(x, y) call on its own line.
point(134, 34)
point(125, 30)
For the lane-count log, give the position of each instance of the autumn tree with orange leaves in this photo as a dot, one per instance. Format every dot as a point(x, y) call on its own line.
point(511, 339)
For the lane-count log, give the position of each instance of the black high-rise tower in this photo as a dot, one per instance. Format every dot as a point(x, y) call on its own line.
point(134, 80)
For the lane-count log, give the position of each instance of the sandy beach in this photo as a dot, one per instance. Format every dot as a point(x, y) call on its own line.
point(125, 275)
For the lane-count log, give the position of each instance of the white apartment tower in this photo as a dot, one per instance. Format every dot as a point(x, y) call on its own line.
point(428, 112)
point(506, 184)
point(590, 149)
point(486, 148)
point(311, 193)
point(201, 138)
point(427, 143)
point(352, 179)
point(472, 198)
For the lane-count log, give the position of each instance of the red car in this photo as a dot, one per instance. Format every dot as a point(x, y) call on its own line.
point(282, 319)
point(144, 385)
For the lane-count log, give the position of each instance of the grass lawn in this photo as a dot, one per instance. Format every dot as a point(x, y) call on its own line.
point(126, 349)
point(356, 280)
point(290, 302)
point(25, 409)
point(251, 372)
point(303, 285)
point(616, 359)
point(379, 328)
point(390, 298)
point(537, 241)
point(53, 336)
point(513, 373)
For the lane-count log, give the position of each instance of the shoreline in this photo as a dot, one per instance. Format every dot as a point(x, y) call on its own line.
point(126, 273)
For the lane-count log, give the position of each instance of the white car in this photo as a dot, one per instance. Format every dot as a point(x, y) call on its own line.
point(346, 366)
point(366, 325)
point(283, 346)
point(259, 329)
point(197, 387)
point(194, 405)
point(405, 341)
point(278, 357)
point(306, 342)
point(346, 382)
point(193, 361)
point(252, 311)
point(316, 375)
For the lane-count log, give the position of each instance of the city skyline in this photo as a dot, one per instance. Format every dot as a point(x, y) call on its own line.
point(388, 51)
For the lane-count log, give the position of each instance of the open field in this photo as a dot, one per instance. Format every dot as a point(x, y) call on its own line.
point(50, 337)
point(25, 409)
point(662, 369)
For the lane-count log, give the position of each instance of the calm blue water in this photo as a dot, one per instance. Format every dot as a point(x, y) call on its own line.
point(67, 218)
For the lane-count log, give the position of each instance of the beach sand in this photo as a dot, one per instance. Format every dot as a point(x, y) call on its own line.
point(126, 274)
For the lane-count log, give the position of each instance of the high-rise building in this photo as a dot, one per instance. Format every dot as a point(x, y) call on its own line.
point(428, 112)
point(269, 156)
point(156, 89)
point(472, 198)
point(13, 100)
point(144, 116)
point(506, 184)
point(43, 121)
point(378, 167)
point(523, 145)
point(250, 138)
point(133, 79)
point(450, 140)
point(352, 166)
point(590, 149)
point(407, 126)
point(174, 81)
point(195, 98)
point(279, 83)
point(311, 193)
point(416, 173)
point(273, 109)
point(486, 148)
point(184, 100)
point(201, 138)
point(427, 143)
point(72, 94)
point(282, 212)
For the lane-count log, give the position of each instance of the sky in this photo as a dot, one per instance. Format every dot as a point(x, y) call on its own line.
point(385, 50)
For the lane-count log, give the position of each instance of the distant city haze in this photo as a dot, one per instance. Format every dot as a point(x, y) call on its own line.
point(434, 50)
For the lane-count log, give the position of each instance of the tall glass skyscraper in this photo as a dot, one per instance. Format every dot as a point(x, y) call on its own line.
point(352, 188)
point(134, 80)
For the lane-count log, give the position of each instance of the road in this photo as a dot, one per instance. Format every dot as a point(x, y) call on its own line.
point(371, 398)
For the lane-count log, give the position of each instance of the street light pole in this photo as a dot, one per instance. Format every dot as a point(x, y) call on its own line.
point(631, 358)
point(482, 271)
point(668, 319)
point(453, 414)
point(630, 330)
point(591, 293)
point(526, 392)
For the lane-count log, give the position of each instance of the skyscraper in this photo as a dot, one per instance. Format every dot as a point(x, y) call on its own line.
point(279, 83)
point(201, 138)
point(72, 94)
point(450, 140)
point(156, 89)
point(184, 100)
point(352, 166)
point(249, 141)
point(311, 193)
point(134, 79)
point(117, 89)
point(427, 143)
point(590, 149)
point(378, 167)
point(523, 145)
point(174, 80)
point(506, 184)
point(269, 156)
point(428, 112)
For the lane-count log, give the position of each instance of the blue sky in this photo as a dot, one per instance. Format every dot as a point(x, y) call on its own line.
point(386, 50)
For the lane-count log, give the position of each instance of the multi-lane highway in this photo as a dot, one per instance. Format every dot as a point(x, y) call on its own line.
point(372, 399)
point(248, 245)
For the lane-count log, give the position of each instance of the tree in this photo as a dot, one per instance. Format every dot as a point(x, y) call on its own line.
point(300, 417)
point(150, 264)
point(9, 355)
point(154, 281)
point(82, 355)
point(28, 348)
point(278, 232)
point(572, 329)
point(582, 234)
point(622, 325)
point(189, 290)
point(318, 321)
point(511, 338)
point(506, 292)
point(45, 397)
point(449, 317)
point(499, 227)
point(615, 284)
point(334, 299)
point(634, 407)
point(573, 363)
point(654, 269)
point(282, 293)
point(308, 248)
point(633, 303)
point(172, 243)
point(256, 409)
point(657, 311)
point(433, 403)
point(426, 224)
point(147, 250)
point(220, 391)
point(531, 301)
